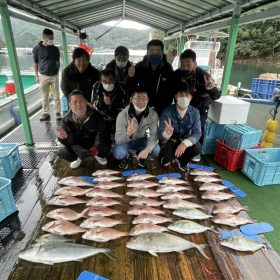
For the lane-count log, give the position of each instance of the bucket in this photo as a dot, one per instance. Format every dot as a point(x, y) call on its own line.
point(10, 87)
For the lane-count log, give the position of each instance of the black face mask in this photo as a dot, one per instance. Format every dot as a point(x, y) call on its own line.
point(187, 73)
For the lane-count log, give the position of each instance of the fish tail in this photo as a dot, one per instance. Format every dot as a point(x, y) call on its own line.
point(212, 228)
point(200, 248)
point(84, 213)
point(124, 220)
point(108, 253)
point(245, 208)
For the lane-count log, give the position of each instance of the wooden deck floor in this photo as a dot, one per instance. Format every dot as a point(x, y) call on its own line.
point(223, 264)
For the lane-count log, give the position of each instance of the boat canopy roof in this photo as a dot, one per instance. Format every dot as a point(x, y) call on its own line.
point(169, 16)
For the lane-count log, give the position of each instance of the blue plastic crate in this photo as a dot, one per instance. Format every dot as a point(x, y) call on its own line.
point(262, 166)
point(64, 104)
point(213, 129)
point(209, 146)
point(7, 201)
point(10, 162)
point(264, 88)
point(241, 136)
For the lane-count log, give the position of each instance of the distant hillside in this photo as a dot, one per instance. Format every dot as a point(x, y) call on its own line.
point(28, 34)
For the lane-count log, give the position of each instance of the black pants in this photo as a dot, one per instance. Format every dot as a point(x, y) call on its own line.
point(168, 151)
point(71, 153)
point(203, 118)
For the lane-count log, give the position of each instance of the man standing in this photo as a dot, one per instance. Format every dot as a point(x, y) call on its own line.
point(46, 67)
point(136, 129)
point(154, 72)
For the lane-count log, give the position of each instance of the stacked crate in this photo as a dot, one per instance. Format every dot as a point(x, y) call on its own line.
point(230, 151)
point(212, 132)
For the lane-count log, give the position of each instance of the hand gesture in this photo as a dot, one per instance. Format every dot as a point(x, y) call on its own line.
point(180, 150)
point(61, 133)
point(106, 99)
point(208, 82)
point(143, 154)
point(131, 70)
point(168, 127)
point(130, 129)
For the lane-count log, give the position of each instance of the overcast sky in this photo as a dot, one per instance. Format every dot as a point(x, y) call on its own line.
point(128, 24)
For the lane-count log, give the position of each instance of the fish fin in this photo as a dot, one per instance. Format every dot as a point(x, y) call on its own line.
point(48, 263)
point(245, 208)
point(109, 255)
point(153, 253)
point(212, 228)
point(200, 248)
point(84, 213)
point(78, 260)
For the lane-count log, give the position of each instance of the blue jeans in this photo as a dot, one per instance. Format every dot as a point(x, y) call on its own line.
point(121, 151)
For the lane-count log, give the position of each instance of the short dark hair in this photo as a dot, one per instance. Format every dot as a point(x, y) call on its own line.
point(155, 42)
point(75, 92)
point(47, 32)
point(121, 50)
point(140, 89)
point(108, 72)
point(79, 52)
point(182, 87)
point(188, 53)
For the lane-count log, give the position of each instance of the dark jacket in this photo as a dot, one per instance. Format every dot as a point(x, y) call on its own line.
point(118, 101)
point(156, 82)
point(85, 135)
point(187, 128)
point(47, 58)
point(121, 73)
point(72, 79)
point(202, 98)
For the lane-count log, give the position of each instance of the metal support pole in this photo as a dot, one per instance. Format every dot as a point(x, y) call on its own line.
point(65, 49)
point(181, 43)
point(9, 38)
point(231, 46)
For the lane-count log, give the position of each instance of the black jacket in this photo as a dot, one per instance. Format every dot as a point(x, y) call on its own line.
point(202, 98)
point(86, 135)
point(72, 79)
point(118, 101)
point(156, 82)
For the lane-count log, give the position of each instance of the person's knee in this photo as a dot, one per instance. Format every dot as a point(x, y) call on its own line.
point(197, 148)
point(120, 151)
point(156, 151)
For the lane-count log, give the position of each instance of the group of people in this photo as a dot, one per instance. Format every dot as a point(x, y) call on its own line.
point(147, 107)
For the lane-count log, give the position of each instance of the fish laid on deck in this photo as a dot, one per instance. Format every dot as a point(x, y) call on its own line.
point(172, 181)
point(146, 228)
point(71, 191)
point(228, 208)
point(177, 195)
point(103, 234)
point(180, 203)
point(105, 172)
point(192, 214)
point(188, 227)
point(138, 210)
point(231, 220)
point(108, 185)
point(103, 193)
point(48, 237)
point(62, 228)
point(66, 214)
point(65, 200)
point(102, 201)
point(142, 193)
point(199, 172)
point(101, 211)
point(172, 188)
point(162, 243)
point(206, 179)
point(145, 201)
point(74, 181)
point(212, 187)
point(142, 184)
point(94, 222)
point(217, 195)
point(58, 252)
point(137, 177)
point(151, 219)
point(241, 243)
point(108, 178)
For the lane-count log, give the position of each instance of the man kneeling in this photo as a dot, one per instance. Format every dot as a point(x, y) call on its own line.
point(81, 133)
point(136, 129)
point(180, 130)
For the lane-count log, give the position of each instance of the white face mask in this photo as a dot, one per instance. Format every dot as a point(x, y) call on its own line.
point(121, 64)
point(50, 43)
point(108, 87)
point(183, 102)
point(138, 110)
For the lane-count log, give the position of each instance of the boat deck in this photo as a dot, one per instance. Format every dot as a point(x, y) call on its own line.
point(35, 184)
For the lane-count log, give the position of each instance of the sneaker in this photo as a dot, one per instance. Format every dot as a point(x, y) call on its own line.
point(142, 162)
point(45, 117)
point(58, 116)
point(124, 163)
point(181, 167)
point(76, 163)
point(164, 162)
point(197, 158)
point(100, 160)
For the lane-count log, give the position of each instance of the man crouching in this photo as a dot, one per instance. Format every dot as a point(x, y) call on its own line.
point(180, 130)
point(136, 129)
point(81, 133)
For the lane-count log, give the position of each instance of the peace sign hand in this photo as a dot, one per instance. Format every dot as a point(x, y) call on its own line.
point(130, 129)
point(168, 127)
